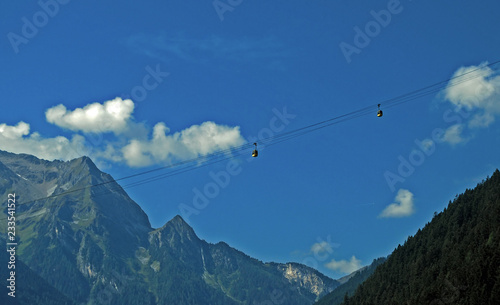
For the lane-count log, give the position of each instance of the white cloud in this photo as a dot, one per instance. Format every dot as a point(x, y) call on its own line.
point(321, 248)
point(130, 143)
point(476, 88)
point(17, 139)
point(471, 86)
point(481, 120)
point(14, 132)
point(403, 206)
point(197, 140)
point(453, 135)
point(344, 266)
point(136, 155)
point(111, 116)
point(192, 142)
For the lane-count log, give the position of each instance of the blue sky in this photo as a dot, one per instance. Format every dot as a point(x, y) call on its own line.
point(142, 85)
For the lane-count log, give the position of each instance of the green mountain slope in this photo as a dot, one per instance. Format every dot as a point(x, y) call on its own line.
point(30, 288)
point(454, 259)
point(83, 235)
point(182, 268)
point(96, 246)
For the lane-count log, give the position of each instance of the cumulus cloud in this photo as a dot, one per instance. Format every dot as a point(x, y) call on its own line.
point(197, 140)
point(473, 86)
point(111, 116)
point(481, 120)
point(321, 248)
point(476, 88)
point(453, 135)
point(18, 139)
point(344, 266)
point(403, 206)
point(129, 142)
point(14, 132)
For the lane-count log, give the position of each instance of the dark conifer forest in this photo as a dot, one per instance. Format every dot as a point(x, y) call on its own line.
point(454, 259)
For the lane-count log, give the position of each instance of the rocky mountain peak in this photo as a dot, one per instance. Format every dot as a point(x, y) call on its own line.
point(87, 163)
point(179, 224)
point(175, 232)
point(307, 278)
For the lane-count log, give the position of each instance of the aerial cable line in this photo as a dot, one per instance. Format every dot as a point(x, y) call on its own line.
point(295, 135)
point(206, 160)
point(392, 102)
point(332, 121)
point(138, 183)
point(195, 160)
point(434, 88)
point(303, 130)
point(162, 176)
point(180, 171)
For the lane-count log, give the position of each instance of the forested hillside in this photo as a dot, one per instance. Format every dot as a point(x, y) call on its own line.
point(454, 259)
point(30, 288)
point(337, 296)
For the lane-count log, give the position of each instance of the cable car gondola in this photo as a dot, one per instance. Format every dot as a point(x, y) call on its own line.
point(255, 153)
point(379, 112)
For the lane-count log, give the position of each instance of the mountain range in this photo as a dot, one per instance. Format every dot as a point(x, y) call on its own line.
point(83, 240)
